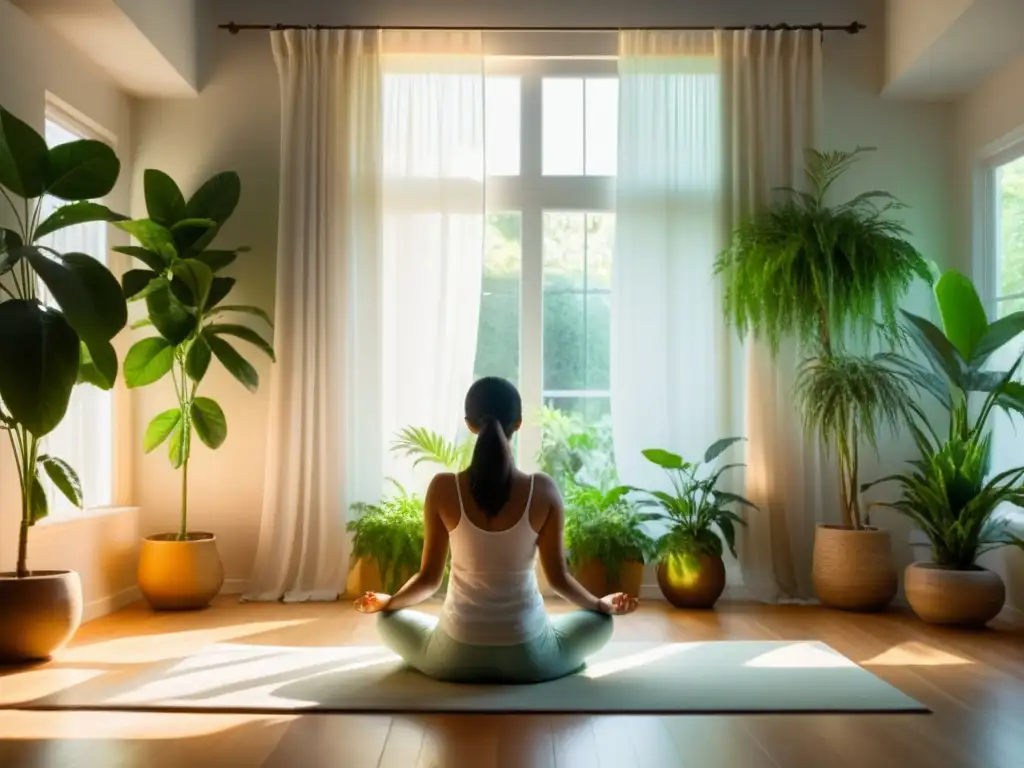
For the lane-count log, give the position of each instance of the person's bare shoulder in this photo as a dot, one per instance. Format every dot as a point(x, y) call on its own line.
point(544, 487)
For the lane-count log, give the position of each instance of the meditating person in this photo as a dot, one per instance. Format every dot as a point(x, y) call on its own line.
point(493, 627)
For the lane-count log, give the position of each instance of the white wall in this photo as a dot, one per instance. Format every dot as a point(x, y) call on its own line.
point(986, 120)
point(234, 124)
point(34, 62)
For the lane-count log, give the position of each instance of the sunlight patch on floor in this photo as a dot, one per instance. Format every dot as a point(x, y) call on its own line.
point(125, 725)
point(799, 656)
point(21, 687)
point(611, 666)
point(145, 649)
point(915, 654)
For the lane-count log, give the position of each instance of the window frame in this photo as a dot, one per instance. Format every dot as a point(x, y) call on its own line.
point(986, 239)
point(73, 121)
point(531, 194)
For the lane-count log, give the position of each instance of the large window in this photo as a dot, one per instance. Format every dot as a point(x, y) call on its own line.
point(1005, 279)
point(85, 437)
point(551, 161)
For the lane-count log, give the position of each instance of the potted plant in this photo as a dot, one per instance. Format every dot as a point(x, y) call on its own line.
point(949, 493)
point(388, 537)
point(45, 351)
point(574, 451)
point(605, 540)
point(825, 278)
point(184, 298)
point(691, 573)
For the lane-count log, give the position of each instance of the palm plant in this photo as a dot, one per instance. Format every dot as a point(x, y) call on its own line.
point(827, 277)
point(949, 493)
point(425, 446)
point(697, 507)
point(604, 526)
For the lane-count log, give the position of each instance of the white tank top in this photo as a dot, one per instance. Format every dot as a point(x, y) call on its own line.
point(493, 598)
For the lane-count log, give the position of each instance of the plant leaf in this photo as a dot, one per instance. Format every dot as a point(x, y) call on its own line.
point(237, 365)
point(219, 290)
point(216, 199)
point(147, 361)
point(942, 355)
point(39, 361)
point(246, 310)
point(663, 458)
point(85, 169)
point(71, 214)
point(38, 508)
point(88, 294)
point(999, 333)
point(23, 157)
point(153, 237)
point(170, 317)
point(198, 359)
point(63, 477)
point(963, 315)
point(160, 429)
point(137, 283)
point(197, 276)
point(164, 202)
point(209, 421)
point(242, 332)
point(719, 447)
point(154, 261)
point(178, 449)
point(216, 260)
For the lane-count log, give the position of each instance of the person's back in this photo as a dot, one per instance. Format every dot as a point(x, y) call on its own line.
point(495, 520)
point(493, 598)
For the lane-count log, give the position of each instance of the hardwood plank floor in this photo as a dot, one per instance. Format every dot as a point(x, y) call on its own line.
point(974, 682)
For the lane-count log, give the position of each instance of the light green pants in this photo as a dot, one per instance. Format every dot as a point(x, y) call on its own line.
point(561, 649)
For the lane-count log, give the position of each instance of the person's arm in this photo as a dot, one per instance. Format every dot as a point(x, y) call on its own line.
point(551, 548)
point(435, 554)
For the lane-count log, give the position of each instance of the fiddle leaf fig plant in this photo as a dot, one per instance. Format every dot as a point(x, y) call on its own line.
point(185, 295)
point(46, 349)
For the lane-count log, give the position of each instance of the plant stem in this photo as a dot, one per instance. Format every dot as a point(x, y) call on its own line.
point(183, 531)
point(26, 462)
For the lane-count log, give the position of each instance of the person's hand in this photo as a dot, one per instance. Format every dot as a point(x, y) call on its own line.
point(372, 602)
point(617, 604)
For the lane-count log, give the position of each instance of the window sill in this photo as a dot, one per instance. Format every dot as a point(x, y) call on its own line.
point(82, 516)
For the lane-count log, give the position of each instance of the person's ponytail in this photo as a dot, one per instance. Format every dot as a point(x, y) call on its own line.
point(490, 472)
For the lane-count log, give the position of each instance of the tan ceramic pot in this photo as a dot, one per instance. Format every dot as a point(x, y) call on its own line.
point(180, 575)
point(853, 569)
point(692, 581)
point(364, 576)
point(942, 595)
point(38, 614)
point(591, 576)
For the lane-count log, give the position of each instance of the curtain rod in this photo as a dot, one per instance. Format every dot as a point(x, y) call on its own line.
point(851, 29)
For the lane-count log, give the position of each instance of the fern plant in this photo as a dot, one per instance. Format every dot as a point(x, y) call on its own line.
point(828, 277)
point(604, 526)
point(425, 446)
point(391, 534)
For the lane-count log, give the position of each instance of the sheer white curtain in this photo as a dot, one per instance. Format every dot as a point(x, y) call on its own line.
point(772, 102)
point(323, 436)
point(433, 219)
point(709, 124)
point(672, 383)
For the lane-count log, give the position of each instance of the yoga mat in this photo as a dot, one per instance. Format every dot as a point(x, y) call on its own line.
point(625, 678)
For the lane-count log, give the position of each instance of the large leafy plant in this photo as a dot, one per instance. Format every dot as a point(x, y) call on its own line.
point(391, 534)
point(184, 297)
point(949, 492)
point(696, 507)
point(45, 350)
point(604, 526)
point(826, 277)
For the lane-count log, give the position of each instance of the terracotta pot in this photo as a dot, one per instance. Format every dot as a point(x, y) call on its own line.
point(853, 569)
point(364, 576)
point(941, 595)
point(591, 576)
point(692, 581)
point(38, 614)
point(180, 575)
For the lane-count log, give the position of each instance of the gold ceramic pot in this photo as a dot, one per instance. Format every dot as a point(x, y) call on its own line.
point(941, 595)
point(180, 575)
point(853, 569)
point(364, 576)
point(38, 614)
point(592, 577)
point(691, 581)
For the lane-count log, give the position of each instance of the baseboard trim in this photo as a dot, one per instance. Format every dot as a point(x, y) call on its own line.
point(234, 587)
point(110, 603)
point(1011, 615)
point(651, 592)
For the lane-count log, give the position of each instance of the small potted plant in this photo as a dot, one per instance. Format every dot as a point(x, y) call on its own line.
point(949, 493)
point(691, 572)
point(605, 540)
point(184, 297)
point(823, 275)
point(45, 351)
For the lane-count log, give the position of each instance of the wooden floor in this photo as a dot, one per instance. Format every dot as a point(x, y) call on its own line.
point(973, 682)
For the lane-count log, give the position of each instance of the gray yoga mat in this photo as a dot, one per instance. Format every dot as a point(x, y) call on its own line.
point(684, 678)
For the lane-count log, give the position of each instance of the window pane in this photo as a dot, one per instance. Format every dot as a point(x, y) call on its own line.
point(502, 124)
point(577, 432)
point(599, 316)
point(1011, 214)
point(562, 118)
point(564, 333)
point(602, 126)
point(600, 244)
point(497, 351)
point(564, 251)
point(1008, 434)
